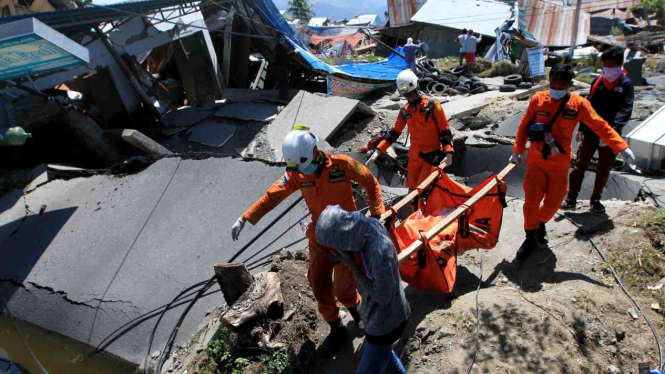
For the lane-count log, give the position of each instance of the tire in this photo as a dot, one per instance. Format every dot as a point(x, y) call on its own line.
point(478, 90)
point(435, 70)
point(439, 88)
point(430, 75)
point(475, 79)
point(429, 64)
point(514, 79)
point(458, 72)
point(445, 80)
point(455, 84)
point(420, 75)
point(422, 83)
point(525, 85)
point(447, 71)
point(431, 85)
point(462, 90)
point(507, 88)
point(475, 85)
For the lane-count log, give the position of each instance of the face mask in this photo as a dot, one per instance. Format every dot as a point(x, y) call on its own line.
point(309, 169)
point(612, 73)
point(558, 95)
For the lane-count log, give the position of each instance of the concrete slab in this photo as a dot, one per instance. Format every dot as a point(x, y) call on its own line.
point(243, 96)
point(214, 134)
point(510, 125)
point(185, 117)
point(262, 112)
point(323, 114)
point(110, 249)
point(40, 175)
point(462, 106)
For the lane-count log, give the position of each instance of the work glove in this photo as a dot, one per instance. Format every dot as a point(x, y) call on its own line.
point(579, 136)
point(449, 159)
point(628, 156)
point(237, 227)
point(602, 144)
point(372, 158)
point(515, 158)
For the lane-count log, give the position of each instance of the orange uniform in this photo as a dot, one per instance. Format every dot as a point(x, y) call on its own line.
point(548, 179)
point(429, 130)
point(330, 185)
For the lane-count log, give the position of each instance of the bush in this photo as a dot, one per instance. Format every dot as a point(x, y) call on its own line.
point(224, 353)
point(480, 65)
point(501, 69)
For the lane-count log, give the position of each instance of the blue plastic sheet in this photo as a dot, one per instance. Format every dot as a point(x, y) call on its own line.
point(385, 70)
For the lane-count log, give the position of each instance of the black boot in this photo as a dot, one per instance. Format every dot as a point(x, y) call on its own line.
point(529, 245)
point(541, 234)
point(356, 317)
point(335, 339)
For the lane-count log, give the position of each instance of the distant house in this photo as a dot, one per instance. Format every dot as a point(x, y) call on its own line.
point(286, 14)
point(369, 20)
point(319, 21)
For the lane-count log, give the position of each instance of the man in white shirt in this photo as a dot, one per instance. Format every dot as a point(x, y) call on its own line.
point(471, 46)
point(461, 41)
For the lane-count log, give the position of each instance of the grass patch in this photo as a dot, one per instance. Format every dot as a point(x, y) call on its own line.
point(586, 78)
point(231, 355)
point(501, 69)
point(641, 264)
point(448, 63)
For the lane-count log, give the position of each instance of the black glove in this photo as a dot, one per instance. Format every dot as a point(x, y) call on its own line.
point(434, 158)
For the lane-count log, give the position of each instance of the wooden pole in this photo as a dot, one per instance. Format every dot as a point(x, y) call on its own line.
point(415, 246)
point(575, 28)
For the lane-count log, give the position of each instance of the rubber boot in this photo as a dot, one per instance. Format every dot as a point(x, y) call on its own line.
point(529, 245)
point(335, 338)
point(541, 234)
point(356, 318)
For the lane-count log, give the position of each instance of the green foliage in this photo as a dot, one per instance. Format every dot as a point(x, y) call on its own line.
point(616, 31)
point(586, 78)
point(656, 6)
point(282, 361)
point(592, 61)
point(301, 9)
point(223, 352)
point(654, 226)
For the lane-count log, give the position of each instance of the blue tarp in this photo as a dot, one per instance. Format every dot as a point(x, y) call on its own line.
point(385, 70)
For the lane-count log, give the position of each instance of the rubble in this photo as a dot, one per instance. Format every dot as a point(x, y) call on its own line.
point(214, 134)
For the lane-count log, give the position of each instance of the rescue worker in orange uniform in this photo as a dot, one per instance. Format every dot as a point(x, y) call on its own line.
point(549, 123)
point(431, 138)
point(323, 180)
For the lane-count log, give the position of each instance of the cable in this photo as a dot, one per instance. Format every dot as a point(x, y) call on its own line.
point(618, 280)
point(18, 331)
point(480, 282)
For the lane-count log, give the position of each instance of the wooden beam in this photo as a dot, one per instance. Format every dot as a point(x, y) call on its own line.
point(415, 246)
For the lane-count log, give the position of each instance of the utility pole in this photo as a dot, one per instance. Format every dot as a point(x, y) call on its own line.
point(575, 28)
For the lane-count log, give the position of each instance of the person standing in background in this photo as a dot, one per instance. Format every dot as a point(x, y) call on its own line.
point(513, 50)
point(612, 96)
point(471, 46)
point(461, 41)
point(410, 50)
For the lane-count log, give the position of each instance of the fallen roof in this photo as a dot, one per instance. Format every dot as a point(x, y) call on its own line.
point(401, 11)
point(481, 16)
point(83, 19)
point(317, 21)
point(364, 20)
point(552, 24)
point(353, 39)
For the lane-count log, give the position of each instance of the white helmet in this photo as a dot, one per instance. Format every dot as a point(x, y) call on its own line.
point(407, 81)
point(298, 148)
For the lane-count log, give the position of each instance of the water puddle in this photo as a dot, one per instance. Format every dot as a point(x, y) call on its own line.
point(58, 354)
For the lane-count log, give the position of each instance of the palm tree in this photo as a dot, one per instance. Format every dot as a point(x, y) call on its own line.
point(301, 9)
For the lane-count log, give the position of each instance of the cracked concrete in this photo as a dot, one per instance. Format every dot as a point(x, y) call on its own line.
point(111, 248)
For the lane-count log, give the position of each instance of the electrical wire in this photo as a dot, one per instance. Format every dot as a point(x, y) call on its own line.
point(18, 331)
point(480, 283)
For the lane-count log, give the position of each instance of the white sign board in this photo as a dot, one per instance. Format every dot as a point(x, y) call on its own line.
point(29, 47)
point(536, 61)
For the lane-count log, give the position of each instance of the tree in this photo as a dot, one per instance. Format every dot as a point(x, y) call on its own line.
point(656, 6)
point(301, 9)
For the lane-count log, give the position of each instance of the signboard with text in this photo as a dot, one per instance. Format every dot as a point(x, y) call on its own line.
point(29, 47)
point(536, 61)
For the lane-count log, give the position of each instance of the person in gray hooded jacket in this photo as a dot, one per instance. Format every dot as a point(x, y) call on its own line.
point(365, 247)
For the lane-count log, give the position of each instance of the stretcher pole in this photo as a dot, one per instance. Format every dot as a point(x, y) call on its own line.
point(412, 195)
point(454, 216)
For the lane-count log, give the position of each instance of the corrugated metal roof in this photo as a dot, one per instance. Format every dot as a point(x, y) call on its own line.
point(83, 19)
point(317, 21)
point(594, 5)
point(481, 16)
point(364, 20)
point(401, 11)
point(552, 24)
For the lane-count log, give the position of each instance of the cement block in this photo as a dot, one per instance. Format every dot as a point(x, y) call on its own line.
point(214, 134)
point(242, 96)
point(144, 143)
point(261, 112)
point(510, 125)
point(323, 114)
point(185, 116)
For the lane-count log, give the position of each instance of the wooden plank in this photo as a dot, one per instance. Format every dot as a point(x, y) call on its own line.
point(415, 246)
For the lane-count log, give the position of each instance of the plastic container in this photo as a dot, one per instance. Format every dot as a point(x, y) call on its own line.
point(304, 226)
point(15, 136)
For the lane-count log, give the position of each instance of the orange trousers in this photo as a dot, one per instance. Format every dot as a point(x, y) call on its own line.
point(417, 171)
point(329, 281)
point(539, 183)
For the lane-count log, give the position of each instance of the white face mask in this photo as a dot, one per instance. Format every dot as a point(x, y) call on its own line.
point(612, 74)
point(558, 95)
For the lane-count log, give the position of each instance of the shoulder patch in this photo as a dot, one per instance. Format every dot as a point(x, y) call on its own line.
point(437, 106)
point(285, 178)
point(357, 167)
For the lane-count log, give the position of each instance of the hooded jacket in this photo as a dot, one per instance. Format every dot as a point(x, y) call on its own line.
point(383, 307)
